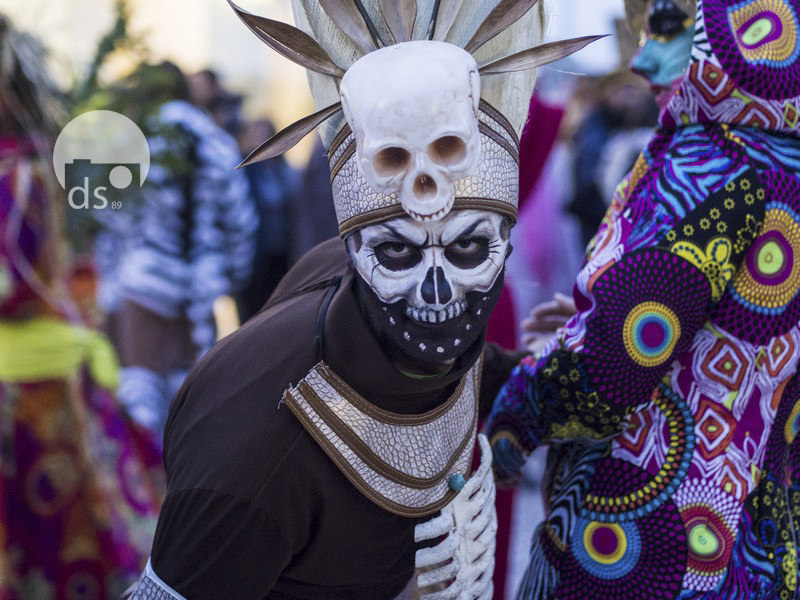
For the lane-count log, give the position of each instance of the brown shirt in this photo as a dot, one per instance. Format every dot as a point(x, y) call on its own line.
point(254, 508)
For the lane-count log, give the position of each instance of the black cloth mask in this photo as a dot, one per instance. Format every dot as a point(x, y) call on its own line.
point(428, 344)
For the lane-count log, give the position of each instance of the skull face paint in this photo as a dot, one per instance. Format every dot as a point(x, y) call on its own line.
point(413, 108)
point(429, 287)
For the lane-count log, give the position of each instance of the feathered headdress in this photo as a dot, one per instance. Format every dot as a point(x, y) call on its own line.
point(502, 36)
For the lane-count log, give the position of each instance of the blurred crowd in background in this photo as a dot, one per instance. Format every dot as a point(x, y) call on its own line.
point(103, 312)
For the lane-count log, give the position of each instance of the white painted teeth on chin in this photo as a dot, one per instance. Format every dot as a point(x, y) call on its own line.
point(427, 315)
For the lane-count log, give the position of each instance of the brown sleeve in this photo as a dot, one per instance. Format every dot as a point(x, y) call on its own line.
point(210, 546)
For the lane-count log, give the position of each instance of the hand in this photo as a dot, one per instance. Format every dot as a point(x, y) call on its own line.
point(545, 319)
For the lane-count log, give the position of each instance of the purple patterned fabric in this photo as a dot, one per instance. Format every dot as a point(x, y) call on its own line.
point(78, 493)
point(22, 242)
point(671, 399)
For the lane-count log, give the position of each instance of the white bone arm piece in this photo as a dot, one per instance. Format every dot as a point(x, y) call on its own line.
point(464, 559)
point(151, 587)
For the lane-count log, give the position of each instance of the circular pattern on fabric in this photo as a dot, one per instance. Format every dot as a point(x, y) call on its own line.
point(771, 277)
point(702, 541)
point(792, 425)
point(651, 566)
point(711, 518)
point(90, 579)
point(622, 491)
point(773, 259)
point(82, 586)
point(762, 300)
point(758, 44)
point(766, 32)
point(710, 540)
point(650, 333)
point(51, 483)
point(644, 301)
point(606, 550)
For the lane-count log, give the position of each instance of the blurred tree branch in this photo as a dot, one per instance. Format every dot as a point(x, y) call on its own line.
point(118, 38)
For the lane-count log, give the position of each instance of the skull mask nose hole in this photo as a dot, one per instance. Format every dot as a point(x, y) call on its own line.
point(448, 150)
point(424, 187)
point(391, 161)
point(435, 289)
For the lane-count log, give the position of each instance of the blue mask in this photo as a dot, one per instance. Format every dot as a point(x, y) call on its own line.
point(660, 60)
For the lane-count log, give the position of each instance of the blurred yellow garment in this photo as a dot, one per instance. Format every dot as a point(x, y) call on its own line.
point(46, 348)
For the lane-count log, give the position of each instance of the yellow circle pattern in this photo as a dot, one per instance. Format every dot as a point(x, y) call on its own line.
point(629, 332)
point(772, 296)
point(789, 429)
point(777, 50)
point(619, 551)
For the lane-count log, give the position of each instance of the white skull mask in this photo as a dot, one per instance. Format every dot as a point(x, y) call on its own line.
point(413, 108)
point(432, 265)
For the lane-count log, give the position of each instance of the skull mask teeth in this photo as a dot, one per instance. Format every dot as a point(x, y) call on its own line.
point(413, 108)
point(426, 315)
point(432, 265)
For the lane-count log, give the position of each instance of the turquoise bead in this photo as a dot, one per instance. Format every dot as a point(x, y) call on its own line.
point(456, 482)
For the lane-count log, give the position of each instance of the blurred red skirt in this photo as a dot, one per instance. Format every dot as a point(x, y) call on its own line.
point(80, 491)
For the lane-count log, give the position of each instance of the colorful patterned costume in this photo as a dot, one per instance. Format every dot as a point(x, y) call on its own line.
point(671, 400)
point(79, 487)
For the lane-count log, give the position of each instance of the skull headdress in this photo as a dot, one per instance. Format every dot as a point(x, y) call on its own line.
point(423, 104)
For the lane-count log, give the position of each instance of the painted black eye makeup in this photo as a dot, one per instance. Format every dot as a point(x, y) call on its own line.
point(468, 252)
point(397, 256)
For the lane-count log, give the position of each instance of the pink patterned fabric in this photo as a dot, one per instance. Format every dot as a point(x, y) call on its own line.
point(672, 399)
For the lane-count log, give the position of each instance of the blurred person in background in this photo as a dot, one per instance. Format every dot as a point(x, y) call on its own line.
point(187, 239)
point(204, 88)
point(661, 59)
point(618, 123)
point(226, 111)
point(548, 246)
point(207, 93)
point(670, 401)
point(79, 491)
point(274, 188)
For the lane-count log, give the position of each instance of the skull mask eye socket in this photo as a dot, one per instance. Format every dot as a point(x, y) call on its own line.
point(391, 161)
point(467, 253)
point(397, 256)
point(448, 150)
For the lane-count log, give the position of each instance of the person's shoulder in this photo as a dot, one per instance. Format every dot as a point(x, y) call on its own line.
point(180, 113)
point(285, 329)
point(228, 422)
point(199, 123)
point(228, 429)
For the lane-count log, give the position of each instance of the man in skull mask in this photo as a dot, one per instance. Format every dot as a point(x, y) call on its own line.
point(308, 452)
